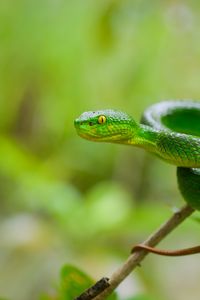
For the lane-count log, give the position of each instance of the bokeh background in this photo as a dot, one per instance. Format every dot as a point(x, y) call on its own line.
point(64, 199)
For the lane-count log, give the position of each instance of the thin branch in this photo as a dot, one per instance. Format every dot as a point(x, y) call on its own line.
point(135, 258)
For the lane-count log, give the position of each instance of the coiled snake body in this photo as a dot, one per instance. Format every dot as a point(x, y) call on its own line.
point(179, 126)
point(169, 129)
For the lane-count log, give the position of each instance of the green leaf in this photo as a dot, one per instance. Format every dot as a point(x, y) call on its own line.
point(73, 282)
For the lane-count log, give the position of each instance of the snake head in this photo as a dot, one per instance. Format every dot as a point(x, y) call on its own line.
point(105, 126)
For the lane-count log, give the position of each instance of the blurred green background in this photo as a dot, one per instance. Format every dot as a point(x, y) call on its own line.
point(64, 199)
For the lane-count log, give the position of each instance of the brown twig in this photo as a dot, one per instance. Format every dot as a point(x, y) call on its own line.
point(135, 258)
point(179, 252)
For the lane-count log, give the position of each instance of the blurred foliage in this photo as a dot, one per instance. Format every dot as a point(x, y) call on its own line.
point(63, 199)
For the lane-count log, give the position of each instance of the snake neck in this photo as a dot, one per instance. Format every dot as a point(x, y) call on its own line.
point(146, 138)
point(175, 148)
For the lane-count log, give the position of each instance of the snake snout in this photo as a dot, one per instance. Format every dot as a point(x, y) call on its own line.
point(77, 123)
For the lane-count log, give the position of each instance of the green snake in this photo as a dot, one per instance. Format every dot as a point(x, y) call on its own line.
point(169, 129)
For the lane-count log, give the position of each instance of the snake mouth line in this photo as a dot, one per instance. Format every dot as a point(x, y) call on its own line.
point(96, 138)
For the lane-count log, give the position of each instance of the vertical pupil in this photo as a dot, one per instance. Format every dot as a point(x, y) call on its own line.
point(101, 120)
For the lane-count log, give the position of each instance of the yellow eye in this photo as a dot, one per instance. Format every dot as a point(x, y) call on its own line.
point(102, 120)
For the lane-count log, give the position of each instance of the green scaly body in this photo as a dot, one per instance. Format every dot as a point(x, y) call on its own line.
point(170, 129)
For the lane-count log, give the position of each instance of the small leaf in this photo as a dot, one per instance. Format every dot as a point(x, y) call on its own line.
point(73, 282)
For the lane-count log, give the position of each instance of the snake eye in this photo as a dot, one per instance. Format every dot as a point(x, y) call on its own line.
point(102, 120)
